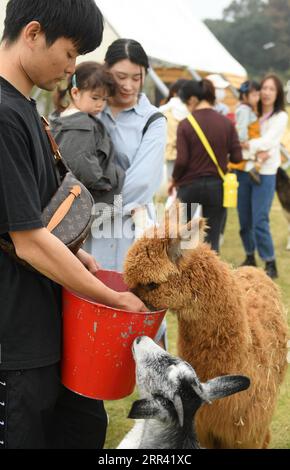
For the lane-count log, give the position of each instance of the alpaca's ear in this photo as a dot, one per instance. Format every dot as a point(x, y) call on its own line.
point(188, 238)
point(193, 233)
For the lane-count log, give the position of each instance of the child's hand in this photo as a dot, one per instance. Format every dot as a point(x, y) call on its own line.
point(245, 145)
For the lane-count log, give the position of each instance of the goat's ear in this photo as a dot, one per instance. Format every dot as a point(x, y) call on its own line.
point(225, 386)
point(146, 409)
point(178, 405)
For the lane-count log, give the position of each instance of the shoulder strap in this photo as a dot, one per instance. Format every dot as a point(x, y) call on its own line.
point(205, 143)
point(152, 119)
point(59, 165)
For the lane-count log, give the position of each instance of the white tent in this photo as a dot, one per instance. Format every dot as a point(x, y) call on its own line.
point(169, 31)
point(3, 4)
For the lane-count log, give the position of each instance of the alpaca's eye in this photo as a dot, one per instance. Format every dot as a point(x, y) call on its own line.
point(151, 286)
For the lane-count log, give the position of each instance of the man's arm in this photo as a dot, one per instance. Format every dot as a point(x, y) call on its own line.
point(53, 259)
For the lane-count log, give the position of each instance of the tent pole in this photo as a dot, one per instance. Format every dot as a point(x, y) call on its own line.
point(159, 83)
point(194, 74)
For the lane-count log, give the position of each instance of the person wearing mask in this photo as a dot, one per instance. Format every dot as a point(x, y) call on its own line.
point(195, 174)
point(175, 111)
point(255, 201)
point(220, 85)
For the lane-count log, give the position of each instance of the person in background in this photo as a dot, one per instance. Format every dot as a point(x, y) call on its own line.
point(220, 86)
point(255, 201)
point(175, 111)
point(195, 175)
point(248, 125)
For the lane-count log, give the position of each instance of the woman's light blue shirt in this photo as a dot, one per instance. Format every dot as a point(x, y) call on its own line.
point(142, 158)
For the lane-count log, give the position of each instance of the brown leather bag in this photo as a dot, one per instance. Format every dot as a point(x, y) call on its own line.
point(68, 215)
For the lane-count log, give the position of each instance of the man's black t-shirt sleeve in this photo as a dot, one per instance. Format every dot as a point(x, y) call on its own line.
point(20, 206)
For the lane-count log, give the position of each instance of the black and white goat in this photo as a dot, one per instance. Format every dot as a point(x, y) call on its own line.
point(171, 394)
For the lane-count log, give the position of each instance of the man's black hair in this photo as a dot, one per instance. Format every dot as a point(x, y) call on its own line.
point(78, 20)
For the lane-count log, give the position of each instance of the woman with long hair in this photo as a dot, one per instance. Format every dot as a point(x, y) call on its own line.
point(139, 137)
point(255, 201)
point(138, 132)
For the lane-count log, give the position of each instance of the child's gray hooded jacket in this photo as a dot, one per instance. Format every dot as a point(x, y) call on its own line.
point(87, 149)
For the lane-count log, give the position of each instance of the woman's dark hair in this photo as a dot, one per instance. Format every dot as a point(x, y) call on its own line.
point(81, 21)
point(202, 90)
point(279, 104)
point(88, 76)
point(175, 87)
point(123, 49)
point(247, 87)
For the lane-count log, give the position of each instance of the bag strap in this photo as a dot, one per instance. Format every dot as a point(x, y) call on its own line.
point(152, 119)
point(64, 208)
point(60, 166)
point(205, 143)
point(53, 144)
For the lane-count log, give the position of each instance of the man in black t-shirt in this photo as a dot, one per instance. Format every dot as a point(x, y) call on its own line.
point(41, 41)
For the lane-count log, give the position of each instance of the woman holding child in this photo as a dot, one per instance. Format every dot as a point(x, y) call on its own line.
point(255, 200)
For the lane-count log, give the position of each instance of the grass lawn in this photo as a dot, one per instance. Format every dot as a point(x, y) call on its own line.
point(233, 253)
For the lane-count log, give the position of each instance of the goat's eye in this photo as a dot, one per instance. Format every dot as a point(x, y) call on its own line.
point(151, 286)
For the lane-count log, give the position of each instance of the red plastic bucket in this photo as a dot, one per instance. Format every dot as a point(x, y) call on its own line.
point(97, 360)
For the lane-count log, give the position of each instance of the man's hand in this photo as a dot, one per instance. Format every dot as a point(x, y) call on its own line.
point(131, 303)
point(88, 261)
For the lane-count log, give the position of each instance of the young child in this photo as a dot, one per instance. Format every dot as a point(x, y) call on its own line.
point(84, 143)
point(247, 123)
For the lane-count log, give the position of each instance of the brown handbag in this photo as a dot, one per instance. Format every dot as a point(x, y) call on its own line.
point(69, 214)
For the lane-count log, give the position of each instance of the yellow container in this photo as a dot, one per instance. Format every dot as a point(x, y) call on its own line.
point(231, 186)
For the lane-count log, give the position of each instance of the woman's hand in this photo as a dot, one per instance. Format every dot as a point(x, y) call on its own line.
point(262, 156)
point(88, 261)
point(171, 187)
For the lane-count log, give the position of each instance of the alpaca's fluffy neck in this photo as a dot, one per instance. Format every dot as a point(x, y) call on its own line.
point(214, 320)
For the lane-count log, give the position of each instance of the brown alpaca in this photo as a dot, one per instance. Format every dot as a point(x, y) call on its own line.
point(230, 322)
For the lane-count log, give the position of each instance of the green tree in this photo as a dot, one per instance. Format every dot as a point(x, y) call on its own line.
point(249, 26)
point(278, 13)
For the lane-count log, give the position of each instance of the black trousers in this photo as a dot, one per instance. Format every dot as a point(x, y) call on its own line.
point(37, 412)
point(207, 191)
